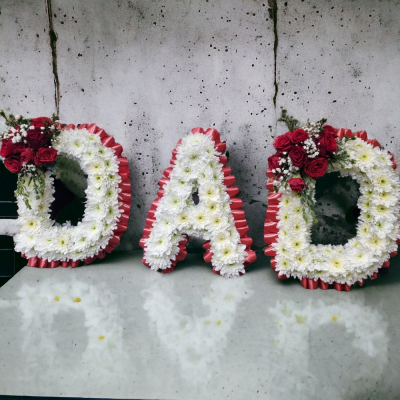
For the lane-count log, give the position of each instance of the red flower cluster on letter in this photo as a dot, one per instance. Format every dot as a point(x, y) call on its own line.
point(301, 154)
point(28, 142)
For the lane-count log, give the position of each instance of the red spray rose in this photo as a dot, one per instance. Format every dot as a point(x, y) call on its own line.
point(7, 148)
point(298, 155)
point(45, 155)
point(18, 148)
point(327, 145)
point(283, 142)
point(36, 138)
point(13, 164)
point(316, 168)
point(328, 130)
point(39, 122)
point(27, 155)
point(273, 161)
point(298, 136)
point(296, 184)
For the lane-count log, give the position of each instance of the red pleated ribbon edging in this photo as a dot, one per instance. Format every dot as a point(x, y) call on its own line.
point(124, 198)
point(236, 206)
point(271, 220)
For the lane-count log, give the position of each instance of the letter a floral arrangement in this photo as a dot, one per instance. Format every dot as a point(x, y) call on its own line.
point(304, 154)
point(198, 167)
point(30, 148)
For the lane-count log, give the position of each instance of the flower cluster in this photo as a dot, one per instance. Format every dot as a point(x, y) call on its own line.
point(40, 236)
point(28, 144)
point(26, 148)
point(377, 229)
point(197, 168)
point(304, 155)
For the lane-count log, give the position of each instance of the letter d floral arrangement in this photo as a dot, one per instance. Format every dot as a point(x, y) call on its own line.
point(30, 148)
point(304, 154)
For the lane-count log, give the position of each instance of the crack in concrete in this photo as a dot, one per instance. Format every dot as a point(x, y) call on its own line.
point(273, 14)
point(53, 45)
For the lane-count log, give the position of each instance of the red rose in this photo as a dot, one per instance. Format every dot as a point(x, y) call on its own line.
point(316, 168)
point(298, 155)
point(39, 122)
point(273, 161)
point(283, 142)
point(13, 164)
point(45, 155)
point(19, 147)
point(298, 136)
point(7, 148)
point(296, 184)
point(329, 130)
point(36, 138)
point(327, 145)
point(27, 155)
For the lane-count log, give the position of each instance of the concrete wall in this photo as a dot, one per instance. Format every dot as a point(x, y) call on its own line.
point(149, 71)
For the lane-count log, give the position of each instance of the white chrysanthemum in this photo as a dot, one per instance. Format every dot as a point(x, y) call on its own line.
point(388, 199)
point(381, 181)
point(180, 188)
point(167, 225)
point(96, 167)
point(217, 223)
point(199, 218)
point(171, 203)
point(209, 192)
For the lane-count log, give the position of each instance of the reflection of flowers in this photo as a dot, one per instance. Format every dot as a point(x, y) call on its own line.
point(197, 343)
point(364, 334)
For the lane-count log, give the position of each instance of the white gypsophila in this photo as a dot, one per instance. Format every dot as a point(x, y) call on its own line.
point(377, 229)
point(197, 168)
point(42, 237)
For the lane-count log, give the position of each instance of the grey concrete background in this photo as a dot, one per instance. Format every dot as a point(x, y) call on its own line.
point(149, 71)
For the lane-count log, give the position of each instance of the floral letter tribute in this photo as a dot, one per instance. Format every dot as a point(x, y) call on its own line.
point(217, 218)
point(30, 148)
point(304, 154)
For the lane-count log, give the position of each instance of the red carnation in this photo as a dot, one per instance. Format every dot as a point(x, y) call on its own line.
point(316, 168)
point(329, 130)
point(327, 145)
point(273, 161)
point(27, 155)
point(283, 142)
point(13, 164)
point(45, 155)
point(298, 136)
point(298, 155)
point(296, 184)
point(39, 122)
point(36, 138)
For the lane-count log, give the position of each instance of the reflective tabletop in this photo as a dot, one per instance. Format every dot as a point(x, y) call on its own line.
point(117, 329)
